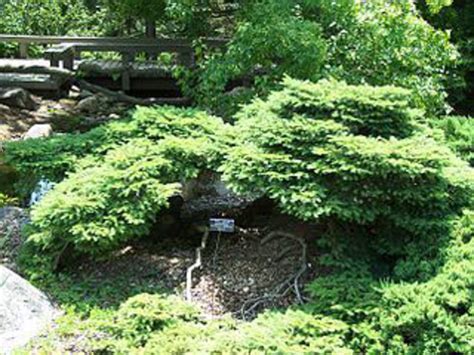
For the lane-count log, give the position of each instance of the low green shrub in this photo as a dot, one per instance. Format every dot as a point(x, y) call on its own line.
point(394, 205)
point(292, 332)
point(415, 318)
point(154, 324)
point(52, 158)
point(142, 316)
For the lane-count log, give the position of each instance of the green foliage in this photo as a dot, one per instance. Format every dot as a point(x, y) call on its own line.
point(114, 193)
point(341, 154)
point(49, 17)
point(152, 10)
point(157, 324)
point(428, 317)
point(370, 42)
point(458, 19)
point(269, 41)
point(382, 44)
point(142, 316)
point(459, 134)
point(7, 200)
point(436, 6)
point(52, 158)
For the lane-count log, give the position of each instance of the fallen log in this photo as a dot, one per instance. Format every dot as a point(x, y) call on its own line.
point(83, 84)
point(120, 96)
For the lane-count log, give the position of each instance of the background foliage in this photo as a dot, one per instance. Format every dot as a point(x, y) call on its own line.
point(360, 42)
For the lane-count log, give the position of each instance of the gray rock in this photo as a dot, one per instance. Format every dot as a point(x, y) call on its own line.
point(39, 131)
point(207, 196)
point(24, 311)
point(17, 97)
point(4, 109)
point(83, 94)
point(90, 104)
point(12, 221)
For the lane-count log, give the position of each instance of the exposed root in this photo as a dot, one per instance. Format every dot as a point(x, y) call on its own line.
point(197, 264)
point(289, 284)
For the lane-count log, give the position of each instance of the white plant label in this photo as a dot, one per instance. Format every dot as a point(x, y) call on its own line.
point(223, 225)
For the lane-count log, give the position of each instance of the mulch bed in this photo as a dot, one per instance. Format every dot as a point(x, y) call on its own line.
point(240, 274)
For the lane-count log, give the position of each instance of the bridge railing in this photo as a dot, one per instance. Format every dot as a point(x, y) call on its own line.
point(178, 44)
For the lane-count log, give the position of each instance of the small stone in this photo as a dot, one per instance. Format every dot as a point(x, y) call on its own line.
point(85, 94)
point(4, 109)
point(39, 131)
point(113, 116)
point(89, 104)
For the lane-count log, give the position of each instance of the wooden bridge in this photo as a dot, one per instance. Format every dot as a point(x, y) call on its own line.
point(134, 67)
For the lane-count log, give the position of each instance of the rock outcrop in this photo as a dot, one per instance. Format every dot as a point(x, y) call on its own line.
point(17, 97)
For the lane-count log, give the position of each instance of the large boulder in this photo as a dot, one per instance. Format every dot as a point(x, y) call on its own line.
point(17, 97)
point(24, 311)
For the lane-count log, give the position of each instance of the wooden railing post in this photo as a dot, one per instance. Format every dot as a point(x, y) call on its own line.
point(127, 59)
point(68, 62)
point(23, 50)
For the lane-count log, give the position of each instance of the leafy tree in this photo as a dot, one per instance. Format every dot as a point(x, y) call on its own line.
point(458, 19)
point(151, 11)
point(359, 42)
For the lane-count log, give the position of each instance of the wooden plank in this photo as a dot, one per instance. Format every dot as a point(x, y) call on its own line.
point(29, 81)
point(155, 48)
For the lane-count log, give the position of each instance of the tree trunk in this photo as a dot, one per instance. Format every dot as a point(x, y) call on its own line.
point(150, 33)
point(150, 28)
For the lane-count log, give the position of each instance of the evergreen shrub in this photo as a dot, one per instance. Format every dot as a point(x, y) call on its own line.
point(117, 184)
point(355, 158)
